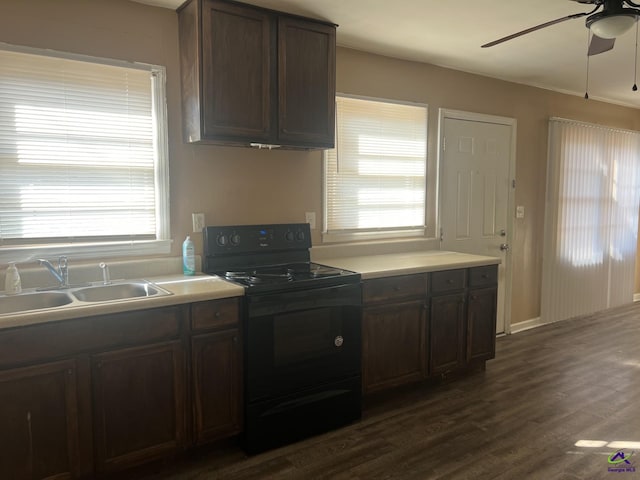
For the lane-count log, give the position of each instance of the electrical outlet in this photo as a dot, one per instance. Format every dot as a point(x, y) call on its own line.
point(310, 218)
point(198, 222)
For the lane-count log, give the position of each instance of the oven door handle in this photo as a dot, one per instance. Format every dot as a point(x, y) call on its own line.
point(349, 295)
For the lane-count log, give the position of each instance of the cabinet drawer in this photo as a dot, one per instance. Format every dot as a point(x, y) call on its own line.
point(483, 276)
point(448, 281)
point(215, 314)
point(394, 288)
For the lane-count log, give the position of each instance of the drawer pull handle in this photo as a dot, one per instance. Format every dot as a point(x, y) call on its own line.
point(450, 282)
point(485, 276)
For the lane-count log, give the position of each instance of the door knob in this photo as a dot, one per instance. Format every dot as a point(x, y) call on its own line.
point(503, 233)
point(504, 247)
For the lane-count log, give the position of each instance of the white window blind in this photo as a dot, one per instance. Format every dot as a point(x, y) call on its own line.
point(81, 151)
point(591, 219)
point(375, 177)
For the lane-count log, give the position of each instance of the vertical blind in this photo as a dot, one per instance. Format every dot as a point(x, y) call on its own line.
point(375, 177)
point(77, 150)
point(591, 219)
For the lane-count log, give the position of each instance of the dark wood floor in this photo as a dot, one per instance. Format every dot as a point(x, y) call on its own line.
point(547, 389)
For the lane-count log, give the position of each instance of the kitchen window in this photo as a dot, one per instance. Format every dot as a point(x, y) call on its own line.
point(83, 167)
point(375, 178)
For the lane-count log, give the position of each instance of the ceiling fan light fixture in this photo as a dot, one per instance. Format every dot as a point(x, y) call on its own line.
point(611, 26)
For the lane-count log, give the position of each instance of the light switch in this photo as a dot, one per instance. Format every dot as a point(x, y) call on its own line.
point(520, 211)
point(310, 218)
point(198, 222)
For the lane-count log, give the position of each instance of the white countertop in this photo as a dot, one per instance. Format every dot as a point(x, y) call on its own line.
point(204, 287)
point(184, 290)
point(388, 265)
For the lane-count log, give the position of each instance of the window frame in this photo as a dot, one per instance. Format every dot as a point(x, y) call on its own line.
point(400, 233)
point(16, 251)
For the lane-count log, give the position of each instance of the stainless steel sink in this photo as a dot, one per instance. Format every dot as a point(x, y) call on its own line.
point(33, 301)
point(38, 300)
point(118, 291)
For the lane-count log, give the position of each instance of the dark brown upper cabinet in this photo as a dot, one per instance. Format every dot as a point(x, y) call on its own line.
point(256, 76)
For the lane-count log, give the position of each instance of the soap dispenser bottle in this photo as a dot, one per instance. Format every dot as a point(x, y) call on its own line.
point(12, 284)
point(188, 257)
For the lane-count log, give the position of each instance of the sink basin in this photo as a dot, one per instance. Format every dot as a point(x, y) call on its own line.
point(33, 301)
point(118, 291)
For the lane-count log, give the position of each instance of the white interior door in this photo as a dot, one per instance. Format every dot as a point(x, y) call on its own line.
point(476, 161)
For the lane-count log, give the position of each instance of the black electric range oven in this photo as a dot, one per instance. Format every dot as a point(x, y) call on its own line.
point(301, 329)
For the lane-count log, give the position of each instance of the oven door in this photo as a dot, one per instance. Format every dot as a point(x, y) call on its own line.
point(302, 339)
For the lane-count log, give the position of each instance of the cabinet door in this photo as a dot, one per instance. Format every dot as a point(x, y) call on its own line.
point(237, 88)
point(447, 336)
point(138, 408)
point(306, 82)
point(217, 385)
point(39, 422)
point(481, 324)
point(393, 345)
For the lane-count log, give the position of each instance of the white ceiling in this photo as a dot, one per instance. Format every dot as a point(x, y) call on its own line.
point(449, 33)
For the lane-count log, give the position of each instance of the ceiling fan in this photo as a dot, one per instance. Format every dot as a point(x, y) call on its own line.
point(615, 18)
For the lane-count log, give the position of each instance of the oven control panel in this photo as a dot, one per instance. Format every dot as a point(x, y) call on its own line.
point(255, 238)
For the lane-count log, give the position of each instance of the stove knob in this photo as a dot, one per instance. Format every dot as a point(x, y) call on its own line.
point(300, 236)
point(221, 240)
point(338, 341)
point(235, 239)
point(289, 236)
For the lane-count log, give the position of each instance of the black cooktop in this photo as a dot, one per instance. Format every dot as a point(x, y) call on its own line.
point(265, 258)
point(289, 277)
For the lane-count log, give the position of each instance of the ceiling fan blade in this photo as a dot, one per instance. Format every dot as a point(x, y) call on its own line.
point(600, 45)
point(537, 27)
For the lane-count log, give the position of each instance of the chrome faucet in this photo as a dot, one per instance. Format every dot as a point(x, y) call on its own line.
point(61, 273)
point(106, 278)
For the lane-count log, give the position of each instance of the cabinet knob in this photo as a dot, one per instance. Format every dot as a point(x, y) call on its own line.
point(217, 314)
point(397, 288)
point(450, 282)
point(234, 339)
point(474, 297)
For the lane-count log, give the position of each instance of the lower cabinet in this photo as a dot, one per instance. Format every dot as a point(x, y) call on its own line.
point(89, 395)
point(135, 387)
point(39, 422)
point(393, 345)
point(416, 326)
point(216, 369)
point(446, 333)
point(217, 384)
point(481, 324)
point(138, 404)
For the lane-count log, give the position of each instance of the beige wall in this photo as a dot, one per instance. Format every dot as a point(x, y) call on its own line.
point(237, 185)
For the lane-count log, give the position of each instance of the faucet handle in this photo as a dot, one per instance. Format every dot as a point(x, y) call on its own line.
point(63, 261)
